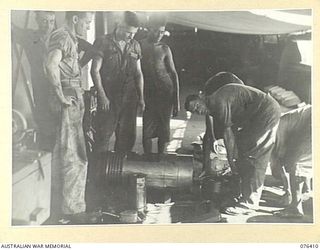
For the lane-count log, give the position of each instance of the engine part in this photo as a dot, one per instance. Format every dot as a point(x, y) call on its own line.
point(174, 171)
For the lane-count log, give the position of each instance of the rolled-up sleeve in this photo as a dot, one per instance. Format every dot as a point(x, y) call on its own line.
point(223, 111)
point(59, 41)
point(99, 47)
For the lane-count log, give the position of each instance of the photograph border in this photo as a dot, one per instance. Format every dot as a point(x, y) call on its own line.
point(223, 233)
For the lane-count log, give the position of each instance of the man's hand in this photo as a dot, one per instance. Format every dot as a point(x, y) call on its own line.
point(176, 109)
point(234, 167)
point(68, 101)
point(141, 105)
point(104, 103)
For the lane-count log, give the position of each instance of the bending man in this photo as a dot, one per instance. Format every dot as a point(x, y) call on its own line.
point(249, 119)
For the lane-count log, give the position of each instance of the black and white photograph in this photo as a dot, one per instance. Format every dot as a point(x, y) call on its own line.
point(161, 117)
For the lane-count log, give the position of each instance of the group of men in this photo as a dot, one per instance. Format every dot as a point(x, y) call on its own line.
point(127, 76)
point(256, 135)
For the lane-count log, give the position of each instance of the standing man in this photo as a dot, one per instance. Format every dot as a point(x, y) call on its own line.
point(69, 155)
point(161, 86)
point(34, 44)
point(249, 119)
point(117, 76)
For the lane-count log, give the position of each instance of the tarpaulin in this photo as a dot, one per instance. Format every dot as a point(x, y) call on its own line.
point(240, 22)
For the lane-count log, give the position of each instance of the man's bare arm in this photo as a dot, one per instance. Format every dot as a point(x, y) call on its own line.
point(53, 73)
point(230, 143)
point(207, 144)
point(96, 78)
point(174, 76)
point(139, 85)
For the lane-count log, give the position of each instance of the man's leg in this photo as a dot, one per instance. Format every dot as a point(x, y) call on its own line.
point(296, 184)
point(147, 145)
point(149, 128)
point(126, 129)
point(104, 124)
point(161, 145)
point(286, 199)
point(252, 174)
point(246, 171)
point(279, 173)
point(73, 159)
point(294, 210)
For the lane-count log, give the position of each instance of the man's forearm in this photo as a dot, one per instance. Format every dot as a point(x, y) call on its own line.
point(96, 78)
point(229, 141)
point(175, 80)
point(54, 79)
point(139, 86)
point(176, 84)
point(207, 142)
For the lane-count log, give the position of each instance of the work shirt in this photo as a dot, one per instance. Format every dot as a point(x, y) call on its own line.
point(248, 111)
point(119, 67)
point(65, 41)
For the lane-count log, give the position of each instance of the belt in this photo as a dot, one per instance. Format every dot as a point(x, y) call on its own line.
point(69, 83)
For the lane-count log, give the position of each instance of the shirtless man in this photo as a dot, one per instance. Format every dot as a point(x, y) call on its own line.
point(161, 86)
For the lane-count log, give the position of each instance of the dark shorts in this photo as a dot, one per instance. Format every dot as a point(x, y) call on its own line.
point(156, 117)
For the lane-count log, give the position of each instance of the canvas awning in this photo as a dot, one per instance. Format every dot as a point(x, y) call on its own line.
point(240, 22)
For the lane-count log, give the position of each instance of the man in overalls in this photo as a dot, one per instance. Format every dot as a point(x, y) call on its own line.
point(161, 86)
point(117, 76)
point(69, 163)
